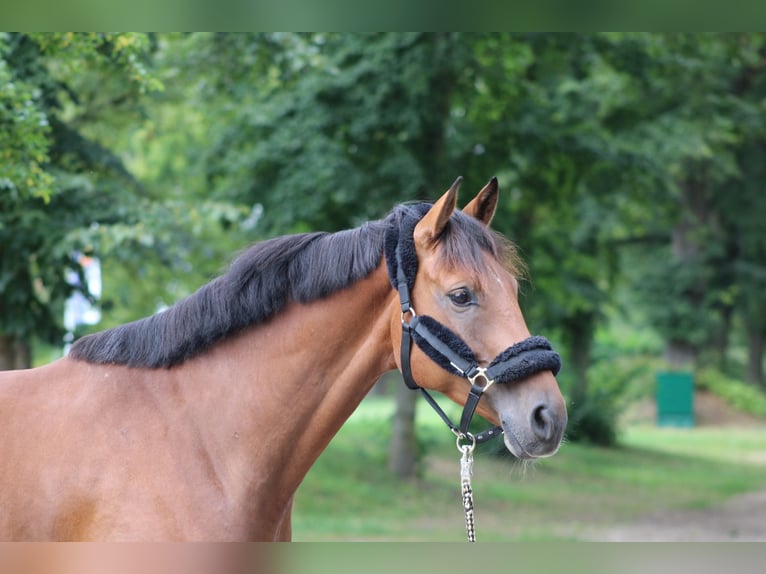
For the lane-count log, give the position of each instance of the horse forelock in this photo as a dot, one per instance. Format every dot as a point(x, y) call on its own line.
point(264, 278)
point(466, 241)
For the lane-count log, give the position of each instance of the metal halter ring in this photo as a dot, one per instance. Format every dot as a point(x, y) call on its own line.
point(461, 447)
point(412, 314)
point(481, 372)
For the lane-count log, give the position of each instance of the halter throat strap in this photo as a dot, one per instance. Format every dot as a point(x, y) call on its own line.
point(448, 350)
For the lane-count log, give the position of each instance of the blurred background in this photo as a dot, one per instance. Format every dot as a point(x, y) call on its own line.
point(133, 167)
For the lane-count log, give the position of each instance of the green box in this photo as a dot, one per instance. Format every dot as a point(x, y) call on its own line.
point(675, 399)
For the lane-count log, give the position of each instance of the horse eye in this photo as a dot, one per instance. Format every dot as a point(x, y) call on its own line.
point(461, 297)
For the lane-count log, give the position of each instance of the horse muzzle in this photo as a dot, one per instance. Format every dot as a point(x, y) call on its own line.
point(533, 421)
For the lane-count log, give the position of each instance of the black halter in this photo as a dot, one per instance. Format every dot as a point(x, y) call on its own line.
point(448, 350)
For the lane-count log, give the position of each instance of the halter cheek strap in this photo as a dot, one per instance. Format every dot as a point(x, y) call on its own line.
point(448, 350)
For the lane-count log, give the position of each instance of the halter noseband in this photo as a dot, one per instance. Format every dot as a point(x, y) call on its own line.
point(448, 350)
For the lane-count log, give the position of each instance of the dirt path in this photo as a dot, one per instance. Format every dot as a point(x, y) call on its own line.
point(741, 518)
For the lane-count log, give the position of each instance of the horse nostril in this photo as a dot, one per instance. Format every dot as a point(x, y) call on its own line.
point(542, 423)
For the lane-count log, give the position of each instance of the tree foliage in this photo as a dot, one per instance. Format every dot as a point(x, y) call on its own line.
point(630, 166)
point(54, 179)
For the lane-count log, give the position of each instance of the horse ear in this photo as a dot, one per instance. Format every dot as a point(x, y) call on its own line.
point(431, 226)
point(483, 206)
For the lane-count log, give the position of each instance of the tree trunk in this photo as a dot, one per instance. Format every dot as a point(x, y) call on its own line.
point(7, 360)
point(579, 333)
point(681, 354)
point(580, 359)
point(755, 345)
point(403, 450)
point(14, 353)
point(23, 359)
point(720, 343)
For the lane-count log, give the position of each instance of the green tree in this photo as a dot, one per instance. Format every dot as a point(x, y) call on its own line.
point(94, 161)
point(700, 112)
point(54, 179)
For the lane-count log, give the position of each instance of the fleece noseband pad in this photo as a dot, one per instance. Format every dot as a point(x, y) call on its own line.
point(523, 359)
point(432, 337)
point(450, 352)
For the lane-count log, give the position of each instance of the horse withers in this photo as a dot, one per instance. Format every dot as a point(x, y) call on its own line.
point(199, 423)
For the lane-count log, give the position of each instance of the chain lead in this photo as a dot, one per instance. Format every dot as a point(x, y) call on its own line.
point(466, 470)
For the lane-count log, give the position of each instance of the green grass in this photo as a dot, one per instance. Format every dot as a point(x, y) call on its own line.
point(739, 394)
point(350, 495)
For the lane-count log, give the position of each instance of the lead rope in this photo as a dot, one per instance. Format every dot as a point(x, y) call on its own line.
point(466, 470)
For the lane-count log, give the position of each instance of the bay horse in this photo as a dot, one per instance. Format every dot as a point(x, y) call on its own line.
point(200, 422)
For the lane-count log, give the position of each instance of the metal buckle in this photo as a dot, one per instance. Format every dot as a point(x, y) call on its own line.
point(481, 372)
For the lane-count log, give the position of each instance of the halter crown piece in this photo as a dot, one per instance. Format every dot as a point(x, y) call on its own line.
point(445, 348)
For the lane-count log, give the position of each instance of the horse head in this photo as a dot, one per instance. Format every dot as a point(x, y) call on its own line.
point(463, 294)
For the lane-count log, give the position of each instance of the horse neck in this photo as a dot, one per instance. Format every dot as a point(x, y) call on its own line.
point(272, 397)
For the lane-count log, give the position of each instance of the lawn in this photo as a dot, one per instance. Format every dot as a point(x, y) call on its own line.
point(350, 495)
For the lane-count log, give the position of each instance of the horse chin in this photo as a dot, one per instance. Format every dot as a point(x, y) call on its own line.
point(514, 446)
point(525, 450)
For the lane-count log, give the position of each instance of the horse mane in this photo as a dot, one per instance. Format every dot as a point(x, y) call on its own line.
point(263, 279)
